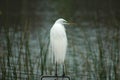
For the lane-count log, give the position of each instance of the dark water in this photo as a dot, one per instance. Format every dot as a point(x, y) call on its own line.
point(93, 42)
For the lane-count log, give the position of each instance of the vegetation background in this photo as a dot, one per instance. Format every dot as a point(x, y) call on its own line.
point(94, 43)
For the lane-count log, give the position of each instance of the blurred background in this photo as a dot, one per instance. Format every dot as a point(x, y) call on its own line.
point(93, 43)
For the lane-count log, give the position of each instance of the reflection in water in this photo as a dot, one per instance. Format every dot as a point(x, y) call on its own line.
point(93, 50)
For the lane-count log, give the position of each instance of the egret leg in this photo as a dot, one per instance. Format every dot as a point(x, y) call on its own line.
point(63, 71)
point(56, 70)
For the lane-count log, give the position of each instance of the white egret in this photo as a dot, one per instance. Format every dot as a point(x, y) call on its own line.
point(58, 42)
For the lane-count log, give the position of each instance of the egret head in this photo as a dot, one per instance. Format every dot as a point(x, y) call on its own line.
point(61, 21)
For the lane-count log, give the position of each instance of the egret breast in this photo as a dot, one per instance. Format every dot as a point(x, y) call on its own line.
point(58, 41)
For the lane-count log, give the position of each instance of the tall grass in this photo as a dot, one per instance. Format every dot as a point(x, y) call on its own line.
point(18, 64)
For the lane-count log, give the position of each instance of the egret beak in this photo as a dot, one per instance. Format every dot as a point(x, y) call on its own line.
point(70, 23)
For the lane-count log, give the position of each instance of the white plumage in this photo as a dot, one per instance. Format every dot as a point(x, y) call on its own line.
point(58, 41)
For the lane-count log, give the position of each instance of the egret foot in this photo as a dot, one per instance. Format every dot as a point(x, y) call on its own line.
point(56, 74)
point(63, 74)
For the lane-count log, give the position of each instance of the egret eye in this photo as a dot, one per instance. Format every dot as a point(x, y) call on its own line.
point(65, 21)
